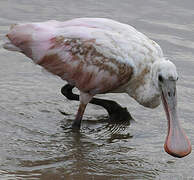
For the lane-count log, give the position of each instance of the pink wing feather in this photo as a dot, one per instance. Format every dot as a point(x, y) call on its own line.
point(67, 49)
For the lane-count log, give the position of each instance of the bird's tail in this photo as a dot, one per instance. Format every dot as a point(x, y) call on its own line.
point(32, 39)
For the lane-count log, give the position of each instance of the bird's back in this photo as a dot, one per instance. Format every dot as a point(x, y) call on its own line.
point(95, 54)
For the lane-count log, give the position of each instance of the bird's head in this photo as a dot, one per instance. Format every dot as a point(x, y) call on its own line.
point(165, 76)
point(163, 70)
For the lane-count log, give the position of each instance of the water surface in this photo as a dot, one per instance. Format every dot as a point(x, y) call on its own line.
point(34, 140)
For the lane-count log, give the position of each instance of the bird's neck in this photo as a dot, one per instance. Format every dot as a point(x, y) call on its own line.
point(151, 95)
point(145, 92)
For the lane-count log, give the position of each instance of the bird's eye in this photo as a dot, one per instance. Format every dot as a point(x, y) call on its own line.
point(160, 78)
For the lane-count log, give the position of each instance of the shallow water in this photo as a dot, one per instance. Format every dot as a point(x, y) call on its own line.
point(35, 142)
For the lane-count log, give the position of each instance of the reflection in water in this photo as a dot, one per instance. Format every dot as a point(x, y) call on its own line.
point(94, 153)
point(35, 139)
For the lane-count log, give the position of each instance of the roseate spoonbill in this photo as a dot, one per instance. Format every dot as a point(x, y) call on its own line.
point(98, 56)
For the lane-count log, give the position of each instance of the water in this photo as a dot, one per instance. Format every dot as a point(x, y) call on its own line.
point(34, 140)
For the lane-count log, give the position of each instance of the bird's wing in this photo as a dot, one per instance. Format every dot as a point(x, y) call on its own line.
point(78, 61)
point(86, 50)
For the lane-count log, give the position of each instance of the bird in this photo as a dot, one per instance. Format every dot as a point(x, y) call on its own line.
point(99, 56)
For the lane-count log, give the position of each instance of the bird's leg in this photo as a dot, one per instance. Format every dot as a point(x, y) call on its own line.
point(77, 121)
point(115, 111)
point(84, 100)
point(67, 92)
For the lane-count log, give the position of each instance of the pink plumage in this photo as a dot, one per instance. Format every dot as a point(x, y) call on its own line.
point(73, 59)
point(99, 55)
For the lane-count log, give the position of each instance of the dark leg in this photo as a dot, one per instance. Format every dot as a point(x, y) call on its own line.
point(115, 111)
